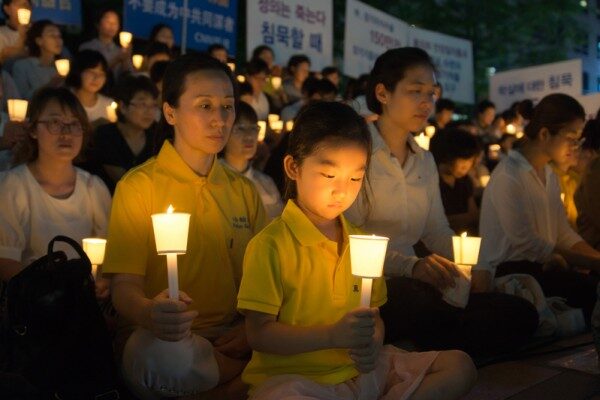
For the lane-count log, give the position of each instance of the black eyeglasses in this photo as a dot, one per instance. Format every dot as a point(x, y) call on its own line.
point(57, 127)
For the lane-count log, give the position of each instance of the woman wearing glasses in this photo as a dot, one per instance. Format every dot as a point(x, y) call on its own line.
point(120, 146)
point(523, 221)
point(45, 195)
point(240, 151)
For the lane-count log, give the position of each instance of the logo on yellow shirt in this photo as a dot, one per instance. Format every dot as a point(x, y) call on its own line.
point(240, 222)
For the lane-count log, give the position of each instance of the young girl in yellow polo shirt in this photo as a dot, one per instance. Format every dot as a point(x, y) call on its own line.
point(303, 320)
point(195, 343)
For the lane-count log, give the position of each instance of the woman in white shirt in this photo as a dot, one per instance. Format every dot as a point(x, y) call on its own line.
point(258, 71)
point(87, 79)
point(405, 205)
point(46, 195)
point(523, 221)
point(239, 152)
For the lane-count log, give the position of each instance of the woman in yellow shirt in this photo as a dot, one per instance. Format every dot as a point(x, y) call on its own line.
point(303, 320)
point(196, 343)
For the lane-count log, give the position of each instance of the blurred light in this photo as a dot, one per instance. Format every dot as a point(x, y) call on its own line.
point(583, 3)
point(491, 71)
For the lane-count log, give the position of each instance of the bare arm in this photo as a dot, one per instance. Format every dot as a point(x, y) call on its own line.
point(581, 255)
point(129, 299)
point(9, 268)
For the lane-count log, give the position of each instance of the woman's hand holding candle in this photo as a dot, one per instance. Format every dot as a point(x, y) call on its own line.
point(436, 270)
point(169, 319)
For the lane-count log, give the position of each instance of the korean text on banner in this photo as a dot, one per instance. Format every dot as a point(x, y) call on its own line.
point(535, 82)
point(292, 27)
point(208, 21)
point(453, 58)
point(369, 33)
point(62, 12)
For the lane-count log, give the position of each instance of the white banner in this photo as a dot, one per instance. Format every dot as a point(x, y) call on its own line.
point(292, 27)
point(591, 104)
point(369, 33)
point(535, 82)
point(453, 58)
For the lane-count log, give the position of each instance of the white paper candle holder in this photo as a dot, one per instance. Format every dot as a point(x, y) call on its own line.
point(367, 256)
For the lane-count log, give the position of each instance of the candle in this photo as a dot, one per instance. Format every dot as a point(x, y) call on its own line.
point(277, 126)
point(466, 249)
point(423, 141)
point(262, 131)
point(276, 82)
point(289, 125)
point(231, 66)
point(125, 39)
point(137, 60)
point(94, 248)
point(17, 109)
point(272, 118)
point(62, 66)
point(171, 235)
point(511, 129)
point(484, 180)
point(24, 16)
point(520, 134)
point(241, 78)
point(367, 255)
point(111, 112)
point(562, 197)
point(494, 151)
point(430, 130)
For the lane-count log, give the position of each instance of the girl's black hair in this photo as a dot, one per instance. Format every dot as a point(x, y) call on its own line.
point(296, 60)
point(83, 60)
point(36, 31)
point(322, 124)
point(245, 111)
point(554, 112)
point(390, 68)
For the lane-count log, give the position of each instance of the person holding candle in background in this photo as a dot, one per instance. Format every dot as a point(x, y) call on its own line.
point(163, 33)
point(257, 72)
point(196, 343)
point(523, 221)
point(87, 79)
point(298, 68)
point(45, 195)
point(309, 335)
point(239, 152)
point(273, 87)
point(12, 34)
point(406, 206)
point(44, 43)
point(218, 51)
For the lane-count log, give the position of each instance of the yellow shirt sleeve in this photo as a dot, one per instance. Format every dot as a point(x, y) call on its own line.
point(261, 288)
point(129, 232)
point(379, 294)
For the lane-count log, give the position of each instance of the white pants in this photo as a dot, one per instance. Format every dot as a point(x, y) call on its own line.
point(397, 375)
point(154, 368)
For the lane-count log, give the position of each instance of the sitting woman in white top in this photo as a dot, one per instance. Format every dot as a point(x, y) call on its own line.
point(87, 79)
point(523, 221)
point(46, 195)
point(44, 42)
point(406, 206)
point(238, 155)
point(258, 71)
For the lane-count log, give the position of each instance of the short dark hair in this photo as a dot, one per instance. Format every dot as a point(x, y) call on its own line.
point(329, 71)
point(259, 49)
point(312, 86)
point(157, 28)
point(484, 105)
point(554, 112)
point(256, 66)
point(215, 46)
point(444, 104)
point(451, 144)
point(245, 88)
point(296, 60)
point(390, 68)
point(130, 85)
point(157, 72)
point(245, 111)
point(36, 31)
point(103, 11)
point(83, 60)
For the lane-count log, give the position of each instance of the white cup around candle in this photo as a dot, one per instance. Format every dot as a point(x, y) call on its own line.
point(272, 118)
point(17, 109)
point(94, 248)
point(423, 141)
point(289, 125)
point(511, 129)
point(137, 60)
point(494, 151)
point(171, 236)
point(520, 134)
point(24, 16)
point(241, 78)
point(562, 197)
point(484, 180)
point(262, 132)
point(430, 130)
point(466, 249)
point(277, 126)
point(125, 38)
point(111, 112)
point(367, 255)
point(231, 66)
point(276, 82)
point(62, 66)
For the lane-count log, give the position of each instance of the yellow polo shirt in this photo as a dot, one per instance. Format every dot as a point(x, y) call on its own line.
point(293, 271)
point(226, 212)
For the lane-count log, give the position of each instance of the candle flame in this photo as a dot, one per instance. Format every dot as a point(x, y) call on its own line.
point(464, 234)
point(170, 209)
point(114, 105)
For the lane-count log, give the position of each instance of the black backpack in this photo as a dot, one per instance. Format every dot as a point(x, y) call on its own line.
point(54, 340)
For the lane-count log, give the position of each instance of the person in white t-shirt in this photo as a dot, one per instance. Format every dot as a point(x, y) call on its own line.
point(406, 206)
point(12, 34)
point(239, 152)
point(257, 72)
point(523, 223)
point(46, 195)
point(87, 79)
